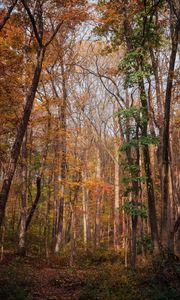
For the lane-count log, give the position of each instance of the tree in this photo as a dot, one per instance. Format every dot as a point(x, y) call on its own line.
point(38, 29)
point(175, 30)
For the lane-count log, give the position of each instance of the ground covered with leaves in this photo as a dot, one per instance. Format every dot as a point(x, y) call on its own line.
point(100, 276)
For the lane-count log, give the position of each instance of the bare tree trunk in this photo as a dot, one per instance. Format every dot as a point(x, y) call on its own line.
point(73, 235)
point(22, 228)
point(56, 187)
point(85, 199)
point(126, 239)
point(108, 229)
point(35, 203)
point(171, 214)
point(98, 200)
point(47, 223)
point(123, 226)
point(63, 160)
point(116, 202)
point(3, 229)
point(134, 220)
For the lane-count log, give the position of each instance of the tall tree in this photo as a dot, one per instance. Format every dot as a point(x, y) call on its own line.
point(38, 28)
point(175, 31)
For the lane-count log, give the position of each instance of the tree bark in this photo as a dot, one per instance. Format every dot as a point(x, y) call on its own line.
point(134, 220)
point(149, 180)
point(63, 159)
point(35, 203)
point(98, 201)
point(116, 202)
point(22, 229)
point(85, 199)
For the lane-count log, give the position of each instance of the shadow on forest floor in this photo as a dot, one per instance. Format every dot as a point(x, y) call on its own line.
point(94, 277)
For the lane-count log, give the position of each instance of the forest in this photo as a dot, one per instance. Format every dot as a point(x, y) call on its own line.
point(89, 150)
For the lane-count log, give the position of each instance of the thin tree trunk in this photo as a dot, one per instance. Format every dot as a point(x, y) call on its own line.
point(3, 229)
point(116, 202)
point(85, 199)
point(98, 200)
point(47, 222)
point(56, 187)
point(22, 228)
point(63, 160)
point(73, 227)
point(134, 220)
point(35, 203)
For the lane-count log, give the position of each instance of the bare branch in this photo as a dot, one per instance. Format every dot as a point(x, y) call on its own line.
point(118, 96)
point(100, 76)
point(54, 33)
point(31, 17)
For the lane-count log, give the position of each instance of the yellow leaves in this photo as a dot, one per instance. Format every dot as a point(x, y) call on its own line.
point(72, 184)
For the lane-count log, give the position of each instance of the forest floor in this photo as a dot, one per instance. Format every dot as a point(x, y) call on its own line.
point(96, 277)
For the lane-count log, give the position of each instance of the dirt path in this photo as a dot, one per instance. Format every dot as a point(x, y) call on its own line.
point(55, 284)
point(46, 282)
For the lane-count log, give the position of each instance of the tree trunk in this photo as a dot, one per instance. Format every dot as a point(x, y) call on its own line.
point(116, 202)
point(63, 160)
point(98, 200)
point(56, 187)
point(134, 220)
point(85, 199)
point(149, 180)
point(3, 229)
point(35, 203)
point(47, 222)
point(22, 229)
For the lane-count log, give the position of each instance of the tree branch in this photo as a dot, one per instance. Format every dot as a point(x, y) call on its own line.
point(54, 34)
point(8, 14)
point(35, 203)
point(31, 17)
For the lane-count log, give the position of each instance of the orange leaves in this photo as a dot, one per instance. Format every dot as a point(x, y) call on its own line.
point(11, 70)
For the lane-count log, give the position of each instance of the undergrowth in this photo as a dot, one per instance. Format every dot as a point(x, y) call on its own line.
point(96, 275)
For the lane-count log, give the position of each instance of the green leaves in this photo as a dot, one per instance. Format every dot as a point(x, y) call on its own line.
point(130, 112)
point(130, 65)
point(140, 142)
point(148, 140)
point(134, 178)
point(133, 143)
point(133, 208)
